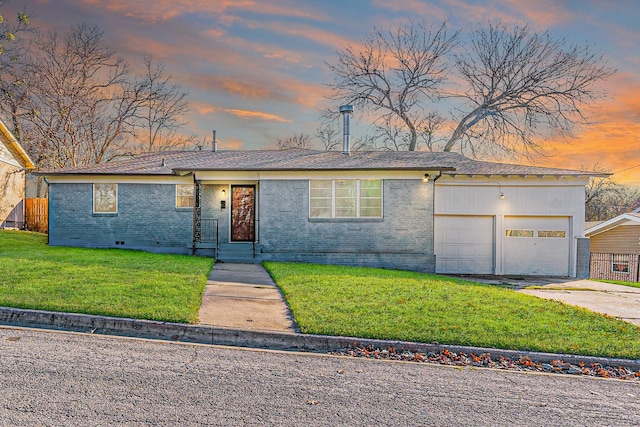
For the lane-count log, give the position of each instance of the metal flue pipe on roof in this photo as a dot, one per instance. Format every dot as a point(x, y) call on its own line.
point(214, 145)
point(346, 111)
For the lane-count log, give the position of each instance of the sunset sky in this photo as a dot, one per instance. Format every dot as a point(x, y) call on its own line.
point(255, 70)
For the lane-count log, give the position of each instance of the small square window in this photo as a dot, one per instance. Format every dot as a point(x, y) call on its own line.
point(105, 198)
point(620, 263)
point(184, 196)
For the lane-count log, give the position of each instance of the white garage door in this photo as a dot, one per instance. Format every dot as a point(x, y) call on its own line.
point(536, 246)
point(464, 244)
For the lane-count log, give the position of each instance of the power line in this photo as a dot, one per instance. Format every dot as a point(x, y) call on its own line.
point(627, 169)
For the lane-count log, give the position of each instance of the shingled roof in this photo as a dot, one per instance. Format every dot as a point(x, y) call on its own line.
point(179, 162)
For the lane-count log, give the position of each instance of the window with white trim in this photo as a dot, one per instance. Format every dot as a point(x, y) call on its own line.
point(105, 198)
point(345, 198)
point(619, 263)
point(184, 196)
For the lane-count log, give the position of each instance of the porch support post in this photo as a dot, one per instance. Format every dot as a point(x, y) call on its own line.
point(197, 215)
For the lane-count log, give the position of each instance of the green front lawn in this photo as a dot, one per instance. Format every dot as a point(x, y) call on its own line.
point(109, 282)
point(619, 282)
point(398, 305)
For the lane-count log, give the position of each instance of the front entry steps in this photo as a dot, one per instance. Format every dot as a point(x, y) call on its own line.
point(238, 253)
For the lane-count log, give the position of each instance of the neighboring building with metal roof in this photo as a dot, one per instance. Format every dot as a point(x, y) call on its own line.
point(434, 212)
point(14, 162)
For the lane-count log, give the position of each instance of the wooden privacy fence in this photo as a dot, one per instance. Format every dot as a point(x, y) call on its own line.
point(37, 214)
point(614, 266)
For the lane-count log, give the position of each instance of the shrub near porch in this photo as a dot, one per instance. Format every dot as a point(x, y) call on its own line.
point(400, 305)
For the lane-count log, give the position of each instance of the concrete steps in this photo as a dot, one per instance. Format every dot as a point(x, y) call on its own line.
point(238, 253)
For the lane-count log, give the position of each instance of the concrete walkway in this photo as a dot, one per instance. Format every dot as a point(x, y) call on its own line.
point(243, 296)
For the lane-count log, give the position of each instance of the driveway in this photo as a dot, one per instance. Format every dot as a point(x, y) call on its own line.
point(622, 302)
point(618, 301)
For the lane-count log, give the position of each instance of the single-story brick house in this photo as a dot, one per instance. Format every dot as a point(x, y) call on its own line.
point(433, 212)
point(14, 162)
point(615, 248)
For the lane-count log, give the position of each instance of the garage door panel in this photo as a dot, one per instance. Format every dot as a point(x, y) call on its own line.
point(535, 255)
point(464, 244)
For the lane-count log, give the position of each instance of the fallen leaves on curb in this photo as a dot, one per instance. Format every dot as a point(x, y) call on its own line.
point(486, 360)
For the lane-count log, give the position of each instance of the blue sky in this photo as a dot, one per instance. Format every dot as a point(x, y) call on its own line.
point(255, 70)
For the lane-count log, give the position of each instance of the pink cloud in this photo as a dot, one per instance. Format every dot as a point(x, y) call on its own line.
point(256, 115)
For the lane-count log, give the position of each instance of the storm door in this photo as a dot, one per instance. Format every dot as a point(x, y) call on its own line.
point(243, 213)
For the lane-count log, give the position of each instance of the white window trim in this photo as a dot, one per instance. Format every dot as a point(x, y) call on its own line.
point(93, 201)
point(333, 199)
point(176, 198)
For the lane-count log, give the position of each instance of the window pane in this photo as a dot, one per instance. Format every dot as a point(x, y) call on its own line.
point(371, 198)
point(184, 195)
point(558, 234)
point(320, 198)
point(371, 188)
point(370, 212)
point(345, 199)
point(346, 188)
point(320, 212)
point(105, 198)
point(321, 184)
point(620, 263)
point(321, 192)
point(519, 233)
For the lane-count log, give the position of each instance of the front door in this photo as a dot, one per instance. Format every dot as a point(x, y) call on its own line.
point(243, 213)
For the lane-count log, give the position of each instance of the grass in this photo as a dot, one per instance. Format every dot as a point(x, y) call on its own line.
point(109, 282)
point(399, 305)
point(619, 282)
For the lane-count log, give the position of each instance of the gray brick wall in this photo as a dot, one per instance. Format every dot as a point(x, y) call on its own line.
point(402, 239)
point(147, 218)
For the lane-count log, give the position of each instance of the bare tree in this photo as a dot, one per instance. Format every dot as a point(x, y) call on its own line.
point(13, 79)
point(394, 73)
point(9, 29)
point(522, 87)
point(429, 130)
point(329, 137)
point(301, 140)
point(606, 199)
point(82, 100)
point(73, 102)
point(159, 115)
point(510, 87)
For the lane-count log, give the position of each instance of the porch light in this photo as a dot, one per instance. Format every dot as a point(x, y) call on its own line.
point(501, 195)
point(426, 178)
point(224, 192)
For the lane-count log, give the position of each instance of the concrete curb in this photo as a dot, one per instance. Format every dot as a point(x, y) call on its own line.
point(258, 339)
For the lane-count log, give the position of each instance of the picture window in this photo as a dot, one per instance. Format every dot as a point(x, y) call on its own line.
point(345, 198)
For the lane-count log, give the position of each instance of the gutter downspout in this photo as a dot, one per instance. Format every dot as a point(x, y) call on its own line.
point(44, 178)
point(433, 219)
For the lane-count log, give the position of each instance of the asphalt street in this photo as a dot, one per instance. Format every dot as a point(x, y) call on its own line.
point(57, 378)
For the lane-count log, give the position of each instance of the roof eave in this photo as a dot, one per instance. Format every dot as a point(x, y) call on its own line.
point(15, 148)
point(422, 168)
point(610, 224)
